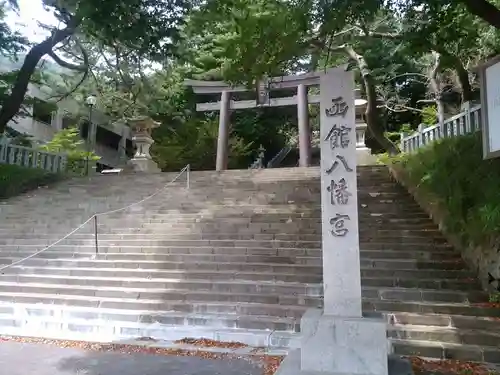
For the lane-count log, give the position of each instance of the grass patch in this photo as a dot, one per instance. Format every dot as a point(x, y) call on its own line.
point(15, 180)
point(454, 171)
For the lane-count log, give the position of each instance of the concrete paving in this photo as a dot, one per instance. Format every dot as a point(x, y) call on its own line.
point(39, 359)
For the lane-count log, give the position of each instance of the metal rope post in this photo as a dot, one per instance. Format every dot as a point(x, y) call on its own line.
point(188, 171)
point(95, 235)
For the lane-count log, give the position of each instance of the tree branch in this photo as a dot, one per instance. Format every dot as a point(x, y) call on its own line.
point(85, 72)
point(404, 108)
point(66, 64)
point(485, 10)
point(14, 102)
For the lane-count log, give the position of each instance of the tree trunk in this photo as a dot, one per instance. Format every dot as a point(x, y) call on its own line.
point(463, 77)
point(13, 103)
point(436, 87)
point(462, 73)
point(372, 118)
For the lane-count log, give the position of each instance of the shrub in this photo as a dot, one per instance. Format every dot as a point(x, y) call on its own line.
point(395, 137)
point(195, 143)
point(16, 180)
point(68, 141)
point(453, 170)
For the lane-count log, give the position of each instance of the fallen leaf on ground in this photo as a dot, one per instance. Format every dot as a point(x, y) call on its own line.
point(488, 304)
point(448, 367)
point(211, 343)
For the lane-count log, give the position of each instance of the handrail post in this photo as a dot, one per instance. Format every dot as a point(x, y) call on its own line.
point(402, 143)
point(95, 235)
point(188, 170)
point(421, 136)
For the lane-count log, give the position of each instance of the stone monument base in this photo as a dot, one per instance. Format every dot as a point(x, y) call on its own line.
point(291, 366)
point(143, 164)
point(333, 345)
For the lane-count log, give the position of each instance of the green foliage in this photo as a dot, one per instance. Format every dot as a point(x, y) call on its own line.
point(195, 143)
point(68, 141)
point(429, 115)
point(454, 171)
point(494, 297)
point(396, 136)
point(146, 27)
point(16, 180)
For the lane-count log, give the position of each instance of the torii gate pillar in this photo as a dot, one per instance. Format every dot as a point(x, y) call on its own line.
point(304, 130)
point(223, 138)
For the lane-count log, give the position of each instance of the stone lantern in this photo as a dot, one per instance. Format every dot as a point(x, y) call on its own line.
point(141, 136)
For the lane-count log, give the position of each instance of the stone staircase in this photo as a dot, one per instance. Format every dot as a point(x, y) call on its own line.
point(235, 258)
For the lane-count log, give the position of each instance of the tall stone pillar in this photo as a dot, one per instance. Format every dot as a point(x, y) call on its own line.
point(338, 340)
point(304, 131)
point(223, 139)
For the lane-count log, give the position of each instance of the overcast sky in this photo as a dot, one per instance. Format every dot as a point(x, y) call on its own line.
point(26, 22)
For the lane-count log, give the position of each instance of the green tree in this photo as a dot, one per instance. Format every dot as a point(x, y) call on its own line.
point(68, 141)
point(196, 143)
point(147, 28)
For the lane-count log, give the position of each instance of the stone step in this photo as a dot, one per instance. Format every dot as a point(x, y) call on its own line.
point(171, 318)
point(444, 334)
point(418, 274)
point(445, 321)
point(169, 218)
point(309, 296)
point(134, 235)
point(421, 283)
point(106, 240)
point(446, 351)
point(53, 292)
point(234, 284)
point(419, 307)
point(237, 304)
point(180, 242)
point(200, 307)
point(269, 264)
point(372, 216)
point(224, 274)
point(132, 232)
point(170, 265)
point(168, 274)
point(236, 254)
point(364, 214)
point(414, 245)
point(225, 286)
point(365, 225)
point(309, 289)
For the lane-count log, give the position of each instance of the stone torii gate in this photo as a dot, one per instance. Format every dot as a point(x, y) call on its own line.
point(302, 99)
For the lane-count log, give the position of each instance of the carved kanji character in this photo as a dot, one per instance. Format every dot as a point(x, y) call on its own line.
point(338, 136)
point(336, 163)
point(339, 108)
point(338, 223)
point(339, 192)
